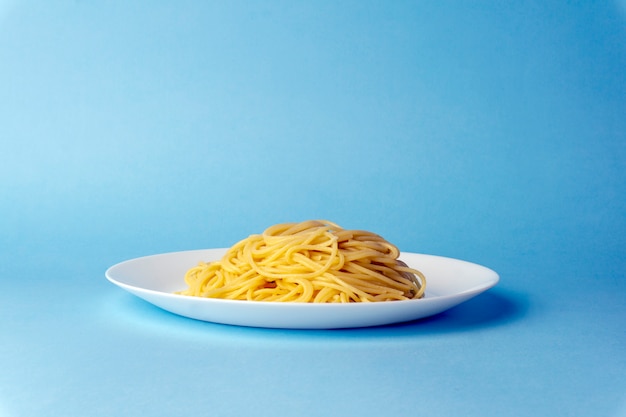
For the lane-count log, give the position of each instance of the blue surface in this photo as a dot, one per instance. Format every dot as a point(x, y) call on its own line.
point(493, 132)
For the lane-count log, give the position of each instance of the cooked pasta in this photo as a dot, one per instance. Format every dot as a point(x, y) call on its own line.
point(309, 262)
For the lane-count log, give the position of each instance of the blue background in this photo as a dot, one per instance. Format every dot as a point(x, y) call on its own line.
point(493, 132)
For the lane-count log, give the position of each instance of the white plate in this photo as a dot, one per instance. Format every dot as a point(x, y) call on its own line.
point(449, 282)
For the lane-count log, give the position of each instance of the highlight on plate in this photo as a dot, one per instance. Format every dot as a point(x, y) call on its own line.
point(310, 262)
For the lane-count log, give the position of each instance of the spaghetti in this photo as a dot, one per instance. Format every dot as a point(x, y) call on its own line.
point(310, 262)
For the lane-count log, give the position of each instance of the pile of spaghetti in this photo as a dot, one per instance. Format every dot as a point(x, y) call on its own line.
point(311, 262)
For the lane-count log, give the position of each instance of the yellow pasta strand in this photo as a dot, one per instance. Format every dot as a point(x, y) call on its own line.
point(309, 262)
